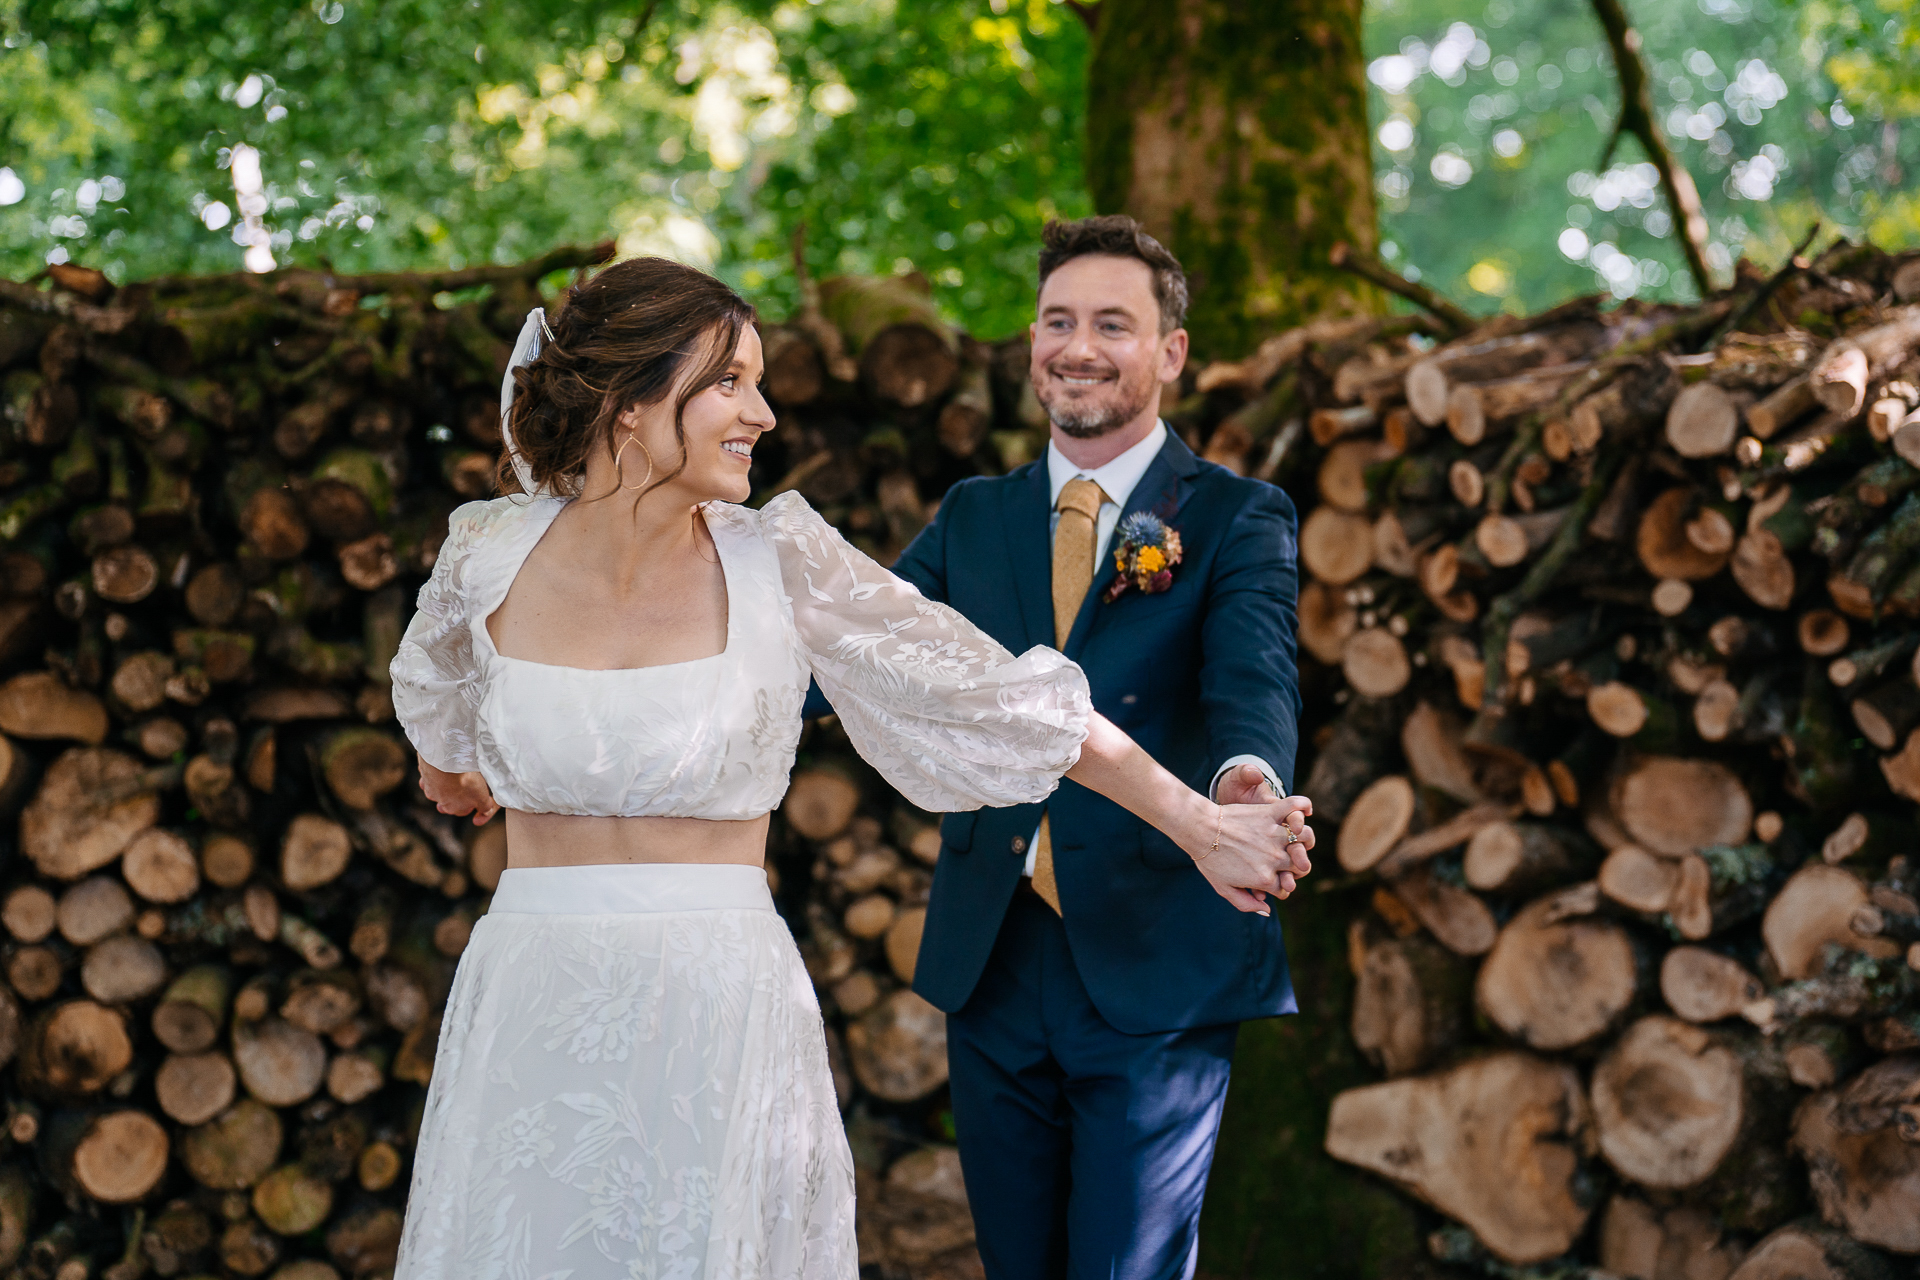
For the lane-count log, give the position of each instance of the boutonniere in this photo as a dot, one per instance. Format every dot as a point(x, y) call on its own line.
point(1145, 555)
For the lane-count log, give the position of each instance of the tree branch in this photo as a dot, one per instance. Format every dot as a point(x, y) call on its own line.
point(1371, 269)
point(1796, 262)
point(1087, 14)
point(1636, 118)
point(1545, 568)
point(573, 255)
point(1603, 371)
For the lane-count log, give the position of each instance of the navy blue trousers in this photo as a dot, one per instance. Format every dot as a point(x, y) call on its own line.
point(1085, 1149)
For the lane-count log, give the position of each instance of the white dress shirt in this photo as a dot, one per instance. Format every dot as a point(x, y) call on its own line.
point(1117, 479)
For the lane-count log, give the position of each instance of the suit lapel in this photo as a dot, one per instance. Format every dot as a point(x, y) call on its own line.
point(1163, 490)
point(1024, 525)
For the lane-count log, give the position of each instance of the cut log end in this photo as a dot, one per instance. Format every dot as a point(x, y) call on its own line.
point(820, 803)
point(1704, 986)
point(1813, 910)
point(1556, 983)
point(1674, 806)
point(1336, 546)
point(1867, 1183)
point(1375, 823)
point(1667, 1103)
point(1375, 663)
point(1702, 421)
point(1511, 1180)
point(1620, 709)
point(194, 1088)
point(121, 1157)
point(1822, 632)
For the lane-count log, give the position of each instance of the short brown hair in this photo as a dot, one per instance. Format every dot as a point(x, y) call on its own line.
point(1118, 236)
point(621, 339)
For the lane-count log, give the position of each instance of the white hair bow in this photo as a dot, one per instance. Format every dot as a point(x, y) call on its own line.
point(534, 336)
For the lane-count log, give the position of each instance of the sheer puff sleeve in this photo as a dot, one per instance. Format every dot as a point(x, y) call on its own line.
point(436, 678)
point(940, 708)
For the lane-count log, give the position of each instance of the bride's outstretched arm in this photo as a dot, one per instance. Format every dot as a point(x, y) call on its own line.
point(1241, 849)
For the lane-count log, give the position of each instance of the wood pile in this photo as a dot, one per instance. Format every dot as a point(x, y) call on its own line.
point(1619, 614)
point(230, 919)
point(1608, 625)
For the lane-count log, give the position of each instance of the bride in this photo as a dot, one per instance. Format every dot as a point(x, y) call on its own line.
point(632, 1078)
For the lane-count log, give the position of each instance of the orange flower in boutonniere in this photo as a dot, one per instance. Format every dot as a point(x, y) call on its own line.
point(1145, 555)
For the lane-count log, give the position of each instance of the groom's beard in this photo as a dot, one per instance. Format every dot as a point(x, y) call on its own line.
point(1086, 413)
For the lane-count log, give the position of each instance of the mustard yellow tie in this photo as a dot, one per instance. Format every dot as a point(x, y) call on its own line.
point(1075, 544)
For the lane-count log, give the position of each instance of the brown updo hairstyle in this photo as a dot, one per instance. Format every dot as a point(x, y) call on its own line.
point(621, 339)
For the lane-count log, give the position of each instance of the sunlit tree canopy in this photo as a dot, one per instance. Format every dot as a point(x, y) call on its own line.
point(189, 136)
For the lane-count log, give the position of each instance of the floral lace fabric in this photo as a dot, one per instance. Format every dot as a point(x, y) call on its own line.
point(631, 1097)
point(940, 708)
point(646, 1096)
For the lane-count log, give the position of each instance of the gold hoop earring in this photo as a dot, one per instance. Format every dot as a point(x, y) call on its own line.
point(620, 475)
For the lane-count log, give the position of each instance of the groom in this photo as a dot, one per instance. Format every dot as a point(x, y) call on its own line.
point(1093, 981)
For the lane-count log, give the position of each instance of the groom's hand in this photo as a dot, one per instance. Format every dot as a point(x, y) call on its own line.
point(1245, 784)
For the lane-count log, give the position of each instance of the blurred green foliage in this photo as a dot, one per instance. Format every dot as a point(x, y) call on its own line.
point(428, 132)
point(1491, 122)
point(937, 134)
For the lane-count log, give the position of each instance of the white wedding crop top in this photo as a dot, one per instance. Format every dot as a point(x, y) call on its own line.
point(941, 709)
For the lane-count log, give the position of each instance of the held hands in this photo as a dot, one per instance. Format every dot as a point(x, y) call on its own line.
point(1264, 842)
point(458, 793)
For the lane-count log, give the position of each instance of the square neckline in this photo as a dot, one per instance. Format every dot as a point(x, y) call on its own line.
point(484, 634)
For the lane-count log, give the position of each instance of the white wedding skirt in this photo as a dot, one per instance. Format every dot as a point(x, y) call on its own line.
point(631, 1082)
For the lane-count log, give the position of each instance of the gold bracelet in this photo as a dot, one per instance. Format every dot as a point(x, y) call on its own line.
point(1219, 813)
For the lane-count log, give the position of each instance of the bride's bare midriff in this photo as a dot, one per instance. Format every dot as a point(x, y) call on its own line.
point(571, 840)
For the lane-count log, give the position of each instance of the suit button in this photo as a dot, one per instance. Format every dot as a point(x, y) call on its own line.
point(1019, 844)
point(1130, 699)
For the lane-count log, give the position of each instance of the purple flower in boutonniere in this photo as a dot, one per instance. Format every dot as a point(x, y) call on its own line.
point(1145, 555)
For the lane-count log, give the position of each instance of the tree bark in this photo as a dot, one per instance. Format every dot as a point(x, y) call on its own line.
point(1866, 1181)
point(1409, 1001)
point(1238, 135)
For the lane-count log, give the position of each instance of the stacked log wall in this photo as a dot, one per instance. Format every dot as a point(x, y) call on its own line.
point(1621, 619)
point(1608, 626)
point(231, 918)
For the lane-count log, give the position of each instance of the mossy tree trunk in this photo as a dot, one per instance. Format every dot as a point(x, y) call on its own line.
point(1238, 134)
point(1278, 1206)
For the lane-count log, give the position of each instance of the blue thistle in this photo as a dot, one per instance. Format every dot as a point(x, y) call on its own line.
point(1143, 529)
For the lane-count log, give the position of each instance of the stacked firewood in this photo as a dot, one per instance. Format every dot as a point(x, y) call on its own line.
point(1622, 610)
point(231, 920)
point(1638, 831)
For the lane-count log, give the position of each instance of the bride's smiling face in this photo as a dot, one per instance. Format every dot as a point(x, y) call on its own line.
point(722, 423)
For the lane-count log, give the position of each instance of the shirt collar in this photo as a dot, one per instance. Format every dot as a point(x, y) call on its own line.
point(1117, 478)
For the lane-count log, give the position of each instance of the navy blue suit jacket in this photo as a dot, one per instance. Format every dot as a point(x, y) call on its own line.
point(1196, 674)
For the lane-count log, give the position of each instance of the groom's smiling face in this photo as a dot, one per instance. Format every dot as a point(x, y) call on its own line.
point(1099, 356)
